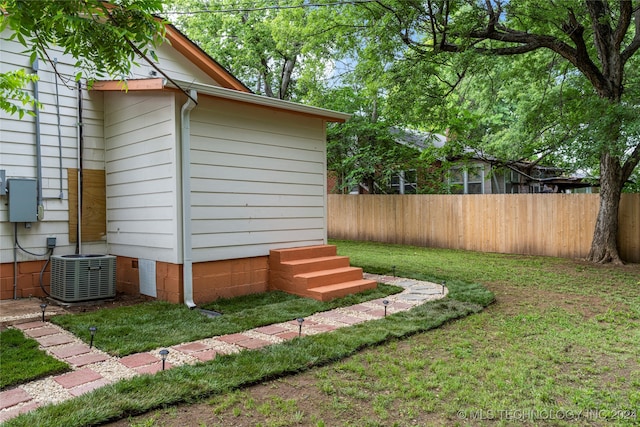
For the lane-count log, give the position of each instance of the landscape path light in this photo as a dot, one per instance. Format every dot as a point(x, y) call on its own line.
point(43, 307)
point(385, 303)
point(300, 320)
point(163, 355)
point(92, 330)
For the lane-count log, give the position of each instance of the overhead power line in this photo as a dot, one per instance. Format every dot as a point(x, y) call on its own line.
point(274, 7)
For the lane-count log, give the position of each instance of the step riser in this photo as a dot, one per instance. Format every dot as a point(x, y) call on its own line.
point(283, 255)
point(341, 292)
point(314, 265)
point(328, 279)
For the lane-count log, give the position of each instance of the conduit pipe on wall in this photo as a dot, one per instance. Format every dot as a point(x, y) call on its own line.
point(36, 112)
point(55, 73)
point(80, 167)
point(185, 142)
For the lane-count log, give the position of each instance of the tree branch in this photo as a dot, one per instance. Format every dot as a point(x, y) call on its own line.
point(631, 163)
point(626, 11)
point(635, 43)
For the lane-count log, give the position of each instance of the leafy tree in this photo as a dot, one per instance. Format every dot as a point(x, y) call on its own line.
point(307, 53)
point(106, 38)
point(277, 50)
point(569, 81)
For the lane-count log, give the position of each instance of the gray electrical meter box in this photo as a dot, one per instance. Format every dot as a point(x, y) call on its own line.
point(22, 200)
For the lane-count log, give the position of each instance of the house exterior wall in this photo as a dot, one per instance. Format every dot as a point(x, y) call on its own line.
point(258, 183)
point(258, 179)
point(173, 64)
point(18, 152)
point(141, 169)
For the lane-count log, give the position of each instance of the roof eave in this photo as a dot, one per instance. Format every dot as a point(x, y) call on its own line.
point(264, 101)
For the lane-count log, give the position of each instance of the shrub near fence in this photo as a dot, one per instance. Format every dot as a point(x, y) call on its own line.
point(558, 225)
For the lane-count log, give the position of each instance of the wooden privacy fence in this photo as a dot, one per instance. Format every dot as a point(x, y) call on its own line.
point(558, 225)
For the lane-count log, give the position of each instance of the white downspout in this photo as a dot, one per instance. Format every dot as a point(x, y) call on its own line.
point(185, 139)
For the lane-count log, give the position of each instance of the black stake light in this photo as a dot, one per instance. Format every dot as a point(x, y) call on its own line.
point(443, 284)
point(393, 269)
point(385, 303)
point(43, 307)
point(92, 330)
point(163, 355)
point(300, 320)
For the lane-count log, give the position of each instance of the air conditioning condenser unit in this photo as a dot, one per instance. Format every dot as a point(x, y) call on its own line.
point(76, 278)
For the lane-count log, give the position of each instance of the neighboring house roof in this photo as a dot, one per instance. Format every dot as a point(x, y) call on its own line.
point(421, 140)
point(418, 139)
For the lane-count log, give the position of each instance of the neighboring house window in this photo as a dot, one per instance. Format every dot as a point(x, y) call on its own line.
point(467, 181)
point(512, 182)
point(405, 182)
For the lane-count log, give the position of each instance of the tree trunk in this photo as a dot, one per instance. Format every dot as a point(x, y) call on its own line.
point(604, 247)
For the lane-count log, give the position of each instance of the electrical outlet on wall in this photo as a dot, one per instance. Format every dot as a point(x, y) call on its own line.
point(51, 242)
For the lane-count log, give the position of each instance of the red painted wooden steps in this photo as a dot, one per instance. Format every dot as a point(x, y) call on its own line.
point(315, 272)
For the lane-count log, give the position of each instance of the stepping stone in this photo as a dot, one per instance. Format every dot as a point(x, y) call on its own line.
point(153, 368)
point(12, 397)
point(53, 340)
point(233, 338)
point(14, 412)
point(86, 388)
point(361, 308)
point(413, 297)
point(191, 347)
point(271, 329)
point(137, 360)
point(253, 343)
point(339, 317)
point(41, 332)
point(86, 359)
point(70, 351)
point(378, 312)
point(29, 325)
point(76, 378)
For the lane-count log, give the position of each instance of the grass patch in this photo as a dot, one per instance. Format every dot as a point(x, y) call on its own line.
point(614, 285)
point(22, 360)
point(143, 327)
point(229, 372)
point(559, 347)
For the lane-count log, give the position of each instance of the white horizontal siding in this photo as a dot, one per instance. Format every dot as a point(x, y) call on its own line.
point(174, 64)
point(258, 180)
point(141, 169)
point(18, 149)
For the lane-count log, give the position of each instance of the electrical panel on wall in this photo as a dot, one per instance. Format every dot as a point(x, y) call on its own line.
point(22, 200)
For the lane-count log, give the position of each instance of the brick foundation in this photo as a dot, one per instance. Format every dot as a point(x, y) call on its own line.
point(28, 283)
point(211, 280)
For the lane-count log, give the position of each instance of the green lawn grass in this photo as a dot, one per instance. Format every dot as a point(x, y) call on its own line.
point(560, 340)
point(558, 347)
point(22, 360)
point(142, 327)
point(225, 373)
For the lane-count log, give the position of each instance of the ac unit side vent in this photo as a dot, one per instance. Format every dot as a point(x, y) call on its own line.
point(76, 278)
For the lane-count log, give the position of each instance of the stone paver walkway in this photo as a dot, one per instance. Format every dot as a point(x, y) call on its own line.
point(92, 368)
